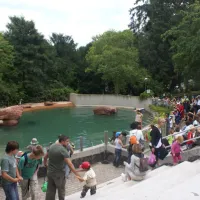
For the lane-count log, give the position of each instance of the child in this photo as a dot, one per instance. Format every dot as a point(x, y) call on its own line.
point(191, 135)
point(28, 167)
point(10, 174)
point(34, 142)
point(89, 178)
point(118, 149)
point(176, 149)
point(18, 156)
point(171, 137)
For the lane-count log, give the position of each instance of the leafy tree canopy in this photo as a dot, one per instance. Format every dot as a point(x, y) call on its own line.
point(115, 56)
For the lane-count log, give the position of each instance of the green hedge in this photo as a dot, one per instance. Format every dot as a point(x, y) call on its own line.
point(146, 95)
point(57, 94)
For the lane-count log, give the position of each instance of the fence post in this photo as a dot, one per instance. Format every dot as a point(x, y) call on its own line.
point(81, 143)
point(106, 139)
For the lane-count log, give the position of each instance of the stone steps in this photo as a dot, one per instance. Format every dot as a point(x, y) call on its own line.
point(162, 183)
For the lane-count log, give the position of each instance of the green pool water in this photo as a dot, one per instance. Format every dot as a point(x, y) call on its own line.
point(46, 125)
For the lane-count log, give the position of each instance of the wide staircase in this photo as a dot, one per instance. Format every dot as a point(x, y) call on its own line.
point(180, 182)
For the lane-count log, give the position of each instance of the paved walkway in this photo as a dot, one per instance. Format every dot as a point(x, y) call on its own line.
point(104, 172)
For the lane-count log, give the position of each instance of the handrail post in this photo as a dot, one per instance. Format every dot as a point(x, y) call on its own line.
point(106, 139)
point(81, 143)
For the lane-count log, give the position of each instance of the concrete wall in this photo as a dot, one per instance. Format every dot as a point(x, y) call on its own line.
point(112, 100)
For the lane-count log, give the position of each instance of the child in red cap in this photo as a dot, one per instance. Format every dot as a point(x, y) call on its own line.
point(90, 179)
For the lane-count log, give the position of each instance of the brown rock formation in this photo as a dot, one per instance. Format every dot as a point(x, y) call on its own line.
point(11, 122)
point(48, 103)
point(9, 116)
point(105, 110)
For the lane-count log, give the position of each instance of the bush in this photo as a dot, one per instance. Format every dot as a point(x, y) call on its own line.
point(57, 94)
point(146, 95)
point(160, 111)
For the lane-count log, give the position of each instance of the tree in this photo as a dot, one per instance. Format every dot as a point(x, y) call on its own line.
point(185, 43)
point(149, 20)
point(114, 55)
point(65, 64)
point(8, 88)
point(30, 58)
point(88, 82)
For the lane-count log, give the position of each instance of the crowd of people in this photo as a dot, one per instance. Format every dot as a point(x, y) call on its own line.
point(183, 128)
point(22, 168)
point(182, 133)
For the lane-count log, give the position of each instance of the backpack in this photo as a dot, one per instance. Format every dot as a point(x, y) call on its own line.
point(143, 165)
point(25, 155)
point(133, 139)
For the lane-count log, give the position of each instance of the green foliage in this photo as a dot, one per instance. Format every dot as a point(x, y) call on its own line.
point(8, 90)
point(163, 46)
point(30, 59)
point(161, 110)
point(65, 62)
point(115, 56)
point(146, 95)
point(149, 20)
point(185, 43)
point(57, 94)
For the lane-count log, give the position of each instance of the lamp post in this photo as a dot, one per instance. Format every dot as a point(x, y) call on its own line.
point(145, 80)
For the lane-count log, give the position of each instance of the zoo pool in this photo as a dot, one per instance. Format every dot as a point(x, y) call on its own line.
point(46, 125)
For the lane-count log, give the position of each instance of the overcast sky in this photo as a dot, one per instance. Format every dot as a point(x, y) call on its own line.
point(81, 19)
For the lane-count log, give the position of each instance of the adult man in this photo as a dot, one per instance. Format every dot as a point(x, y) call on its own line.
point(28, 166)
point(10, 174)
point(58, 156)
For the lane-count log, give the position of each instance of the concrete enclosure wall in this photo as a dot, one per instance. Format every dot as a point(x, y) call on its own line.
point(109, 100)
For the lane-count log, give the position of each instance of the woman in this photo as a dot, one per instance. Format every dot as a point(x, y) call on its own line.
point(138, 117)
point(157, 146)
point(132, 171)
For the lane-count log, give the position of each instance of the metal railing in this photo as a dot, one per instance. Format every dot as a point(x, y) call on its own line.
point(106, 142)
point(181, 132)
point(192, 139)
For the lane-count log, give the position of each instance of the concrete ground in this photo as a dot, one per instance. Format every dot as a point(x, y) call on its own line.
point(104, 172)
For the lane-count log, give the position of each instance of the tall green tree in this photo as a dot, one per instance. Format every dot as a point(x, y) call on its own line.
point(8, 89)
point(88, 82)
point(114, 55)
point(65, 65)
point(149, 20)
point(185, 44)
point(30, 58)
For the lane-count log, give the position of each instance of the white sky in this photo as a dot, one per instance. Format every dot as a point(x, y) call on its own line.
point(81, 19)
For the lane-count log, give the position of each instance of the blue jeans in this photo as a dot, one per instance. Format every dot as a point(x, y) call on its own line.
point(11, 191)
point(118, 153)
point(67, 171)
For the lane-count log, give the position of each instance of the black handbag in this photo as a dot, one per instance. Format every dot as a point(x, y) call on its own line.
point(162, 153)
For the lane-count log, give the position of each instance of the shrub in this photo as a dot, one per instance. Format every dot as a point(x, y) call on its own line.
point(146, 95)
point(57, 94)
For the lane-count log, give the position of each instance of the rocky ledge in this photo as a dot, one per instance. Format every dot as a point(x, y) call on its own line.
point(10, 116)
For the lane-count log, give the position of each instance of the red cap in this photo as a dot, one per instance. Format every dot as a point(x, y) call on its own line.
point(85, 165)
